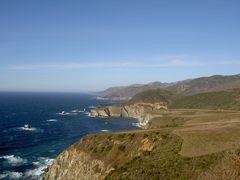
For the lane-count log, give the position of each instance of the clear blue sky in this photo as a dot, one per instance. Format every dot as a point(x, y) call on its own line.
point(80, 45)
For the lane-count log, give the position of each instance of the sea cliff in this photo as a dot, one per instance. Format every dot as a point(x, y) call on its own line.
point(95, 156)
point(76, 163)
point(141, 111)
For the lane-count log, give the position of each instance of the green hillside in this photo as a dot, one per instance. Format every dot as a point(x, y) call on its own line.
point(229, 99)
point(213, 100)
point(153, 96)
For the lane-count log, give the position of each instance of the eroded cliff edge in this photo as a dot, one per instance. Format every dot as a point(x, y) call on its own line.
point(94, 156)
point(141, 111)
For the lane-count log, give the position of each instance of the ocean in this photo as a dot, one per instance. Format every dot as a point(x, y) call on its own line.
point(56, 121)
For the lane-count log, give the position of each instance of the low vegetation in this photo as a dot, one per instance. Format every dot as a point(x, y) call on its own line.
point(182, 144)
point(153, 96)
point(213, 100)
point(198, 137)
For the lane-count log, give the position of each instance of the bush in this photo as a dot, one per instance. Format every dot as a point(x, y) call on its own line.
point(164, 136)
point(145, 135)
point(108, 148)
point(146, 153)
point(122, 147)
point(121, 135)
point(131, 136)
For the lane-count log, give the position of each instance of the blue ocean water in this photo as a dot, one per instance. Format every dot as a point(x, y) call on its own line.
point(25, 153)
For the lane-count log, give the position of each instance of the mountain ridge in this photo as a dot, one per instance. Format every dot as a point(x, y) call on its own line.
point(184, 87)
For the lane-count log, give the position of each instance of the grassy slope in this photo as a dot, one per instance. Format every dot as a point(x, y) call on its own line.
point(153, 96)
point(229, 99)
point(146, 155)
point(213, 100)
point(197, 147)
point(179, 144)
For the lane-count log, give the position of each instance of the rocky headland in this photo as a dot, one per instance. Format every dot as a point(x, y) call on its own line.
point(141, 111)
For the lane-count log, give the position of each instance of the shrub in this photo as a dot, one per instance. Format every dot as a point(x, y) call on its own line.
point(164, 136)
point(122, 147)
point(108, 148)
point(131, 136)
point(145, 135)
point(146, 153)
point(121, 135)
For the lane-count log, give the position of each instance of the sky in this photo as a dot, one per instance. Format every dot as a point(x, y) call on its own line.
point(90, 45)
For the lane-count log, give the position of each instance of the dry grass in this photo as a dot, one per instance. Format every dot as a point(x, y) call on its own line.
point(197, 144)
point(199, 141)
point(203, 131)
point(227, 168)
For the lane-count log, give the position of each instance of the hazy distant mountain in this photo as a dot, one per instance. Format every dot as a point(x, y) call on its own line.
point(185, 87)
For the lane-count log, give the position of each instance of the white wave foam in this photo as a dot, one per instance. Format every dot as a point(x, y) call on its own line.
point(88, 114)
point(14, 160)
point(73, 114)
point(11, 175)
point(64, 113)
point(91, 107)
point(40, 165)
point(105, 130)
point(3, 175)
point(51, 120)
point(136, 124)
point(27, 129)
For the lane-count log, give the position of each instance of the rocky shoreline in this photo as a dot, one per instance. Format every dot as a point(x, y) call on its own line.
point(141, 111)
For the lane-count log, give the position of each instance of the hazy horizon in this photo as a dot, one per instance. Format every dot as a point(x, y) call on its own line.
point(88, 46)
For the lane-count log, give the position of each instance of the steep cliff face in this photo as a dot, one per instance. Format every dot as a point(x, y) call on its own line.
point(74, 163)
point(94, 156)
point(141, 111)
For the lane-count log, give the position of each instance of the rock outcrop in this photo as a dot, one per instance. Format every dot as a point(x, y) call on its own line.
point(141, 111)
point(75, 163)
point(95, 156)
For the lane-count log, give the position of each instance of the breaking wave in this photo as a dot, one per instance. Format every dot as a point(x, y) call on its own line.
point(27, 129)
point(105, 130)
point(11, 175)
point(13, 160)
point(51, 120)
point(137, 125)
point(40, 166)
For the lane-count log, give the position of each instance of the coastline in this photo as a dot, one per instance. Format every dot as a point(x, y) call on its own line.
point(113, 98)
point(143, 112)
